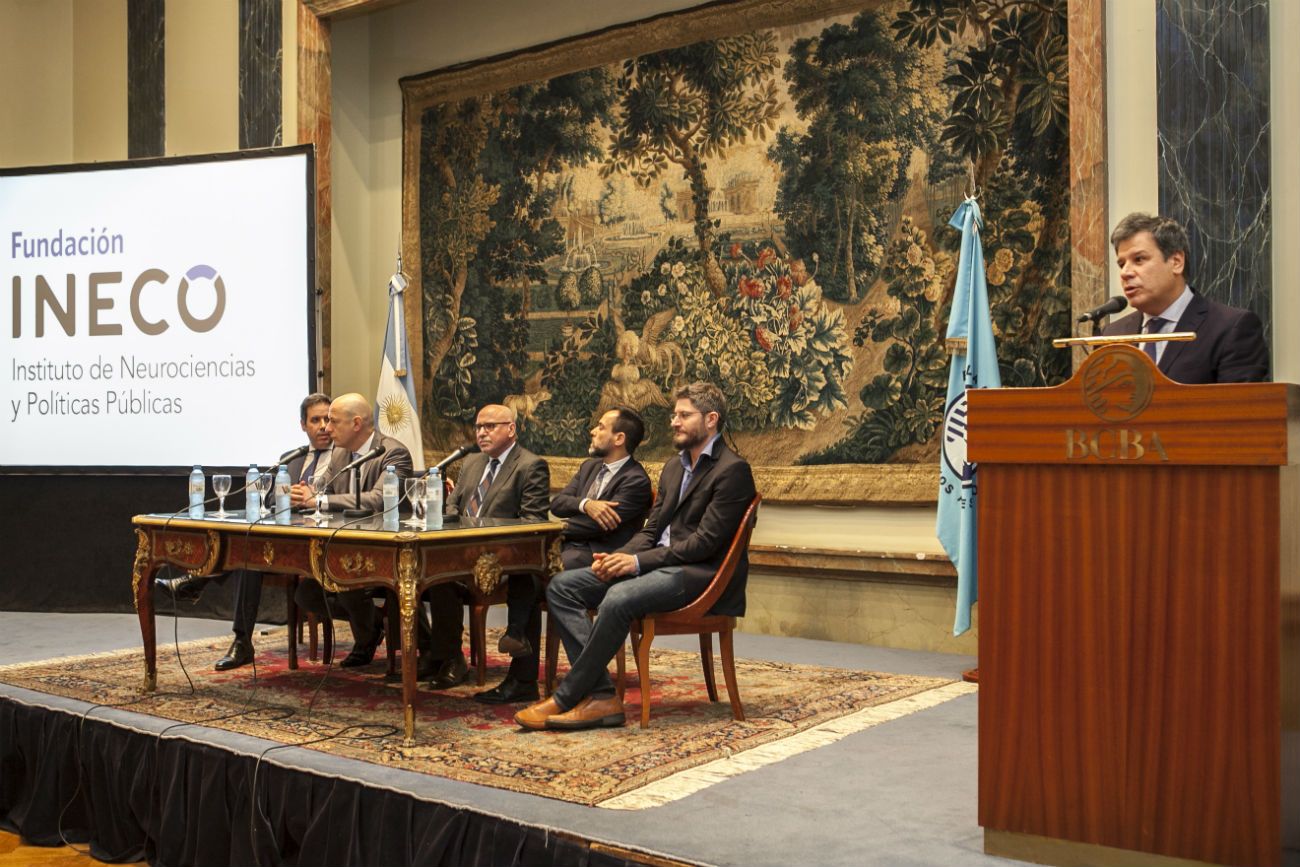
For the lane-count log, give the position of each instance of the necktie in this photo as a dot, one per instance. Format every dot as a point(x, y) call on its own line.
point(599, 482)
point(480, 493)
point(309, 471)
point(1153, 326)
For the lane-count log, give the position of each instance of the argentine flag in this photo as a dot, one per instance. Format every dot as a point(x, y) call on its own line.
point(974, 365)
point(395, 413)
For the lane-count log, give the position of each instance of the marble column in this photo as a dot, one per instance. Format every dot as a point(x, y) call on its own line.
point(146, 121)
point(260, 73)
point(1212, 74)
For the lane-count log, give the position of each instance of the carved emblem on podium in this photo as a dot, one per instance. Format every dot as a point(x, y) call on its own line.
point(1117, 385)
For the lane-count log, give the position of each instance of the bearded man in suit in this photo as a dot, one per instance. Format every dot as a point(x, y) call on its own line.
point(313, 415)
point(351, 426)
point(703, 494)
point(1151, 252)
point(607, 500)
point(503, 480)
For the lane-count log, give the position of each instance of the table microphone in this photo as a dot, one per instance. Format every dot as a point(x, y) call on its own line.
point(467, 449)
point(293, 454)
point(368, 456)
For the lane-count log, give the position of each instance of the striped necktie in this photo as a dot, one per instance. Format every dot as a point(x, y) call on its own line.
point(480, 493)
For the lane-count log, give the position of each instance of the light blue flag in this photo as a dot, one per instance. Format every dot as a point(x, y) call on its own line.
point(974, 365)
point(395, 413)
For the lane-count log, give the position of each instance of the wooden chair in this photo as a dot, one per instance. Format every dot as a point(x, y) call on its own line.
point(695, 619)
point(392, 633)
point(553, 657)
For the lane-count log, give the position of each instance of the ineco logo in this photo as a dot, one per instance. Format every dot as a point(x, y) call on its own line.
point(96, 308)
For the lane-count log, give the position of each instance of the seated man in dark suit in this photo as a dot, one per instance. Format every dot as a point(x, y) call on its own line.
point(504, 480)
point(313, 414)
point(703, 495)
point(351, 425)
point(1152, 256)
point(607, 500)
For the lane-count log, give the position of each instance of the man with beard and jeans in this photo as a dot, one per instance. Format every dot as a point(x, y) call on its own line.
point(313, 415)
point(351, 424)
point(703, 495)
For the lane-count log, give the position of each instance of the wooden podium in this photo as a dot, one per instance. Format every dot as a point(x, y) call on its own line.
point(1139, 618)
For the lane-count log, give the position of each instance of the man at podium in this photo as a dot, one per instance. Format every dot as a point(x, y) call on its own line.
point(1151, 252)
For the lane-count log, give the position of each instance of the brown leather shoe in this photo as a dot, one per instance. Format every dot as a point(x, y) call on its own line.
point(535, 715)
point(590, 713)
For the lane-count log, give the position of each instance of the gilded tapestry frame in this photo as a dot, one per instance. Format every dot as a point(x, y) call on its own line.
point(840, 484)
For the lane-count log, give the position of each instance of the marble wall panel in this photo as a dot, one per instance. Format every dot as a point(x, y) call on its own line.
point(314, 126)
point(260, 73)
point(1212, 72)
point(1089, 250)
point(146, 124)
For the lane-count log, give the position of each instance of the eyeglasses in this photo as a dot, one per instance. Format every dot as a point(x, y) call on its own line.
point(682, 416)
point(490, 425)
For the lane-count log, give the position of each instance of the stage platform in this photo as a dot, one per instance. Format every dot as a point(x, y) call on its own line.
point(902, 792)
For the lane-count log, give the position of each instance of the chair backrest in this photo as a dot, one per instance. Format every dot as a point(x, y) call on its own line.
point(739, 545)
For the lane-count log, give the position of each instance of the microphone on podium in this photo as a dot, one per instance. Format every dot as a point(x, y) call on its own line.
point(1114, 305)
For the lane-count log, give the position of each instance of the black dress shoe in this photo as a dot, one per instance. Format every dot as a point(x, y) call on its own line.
point(364, 653)
point(240, 653)
point(186, 588)
point(509, 691)
point(450, 672)
point(361, 654)
point(515, 645)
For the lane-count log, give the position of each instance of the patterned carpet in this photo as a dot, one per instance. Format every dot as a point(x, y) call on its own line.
point(463, 740)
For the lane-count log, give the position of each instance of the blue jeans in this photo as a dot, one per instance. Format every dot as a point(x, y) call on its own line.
point(590, 646)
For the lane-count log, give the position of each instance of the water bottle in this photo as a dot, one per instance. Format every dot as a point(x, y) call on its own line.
point(283, 510)
point(197, 484)
point(253, 494)
point(390, 498)
point(433, 501)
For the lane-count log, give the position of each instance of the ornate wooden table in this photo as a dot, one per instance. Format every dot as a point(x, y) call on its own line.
point(341, 557)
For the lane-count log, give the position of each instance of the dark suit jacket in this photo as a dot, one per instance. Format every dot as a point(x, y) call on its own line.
point(1229, 344)
point(371, 475)
point(521, 489)
point(703, 520)
point(630, 488)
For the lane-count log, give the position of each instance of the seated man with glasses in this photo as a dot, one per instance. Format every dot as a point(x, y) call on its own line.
point(504, 480)
point(703, 494)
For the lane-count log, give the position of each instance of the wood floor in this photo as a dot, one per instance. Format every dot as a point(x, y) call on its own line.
point(13, 853)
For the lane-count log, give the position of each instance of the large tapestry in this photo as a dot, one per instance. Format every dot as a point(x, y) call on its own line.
point(761, 201)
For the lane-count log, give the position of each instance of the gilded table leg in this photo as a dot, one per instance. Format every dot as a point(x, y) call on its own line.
point(142, 589)
point(407, 597)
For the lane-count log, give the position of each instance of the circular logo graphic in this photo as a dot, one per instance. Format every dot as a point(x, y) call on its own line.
point(954, 441)
point(1117, 386)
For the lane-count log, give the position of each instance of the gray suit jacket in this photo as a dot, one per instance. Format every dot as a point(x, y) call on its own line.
point(371, 475)
point(521, 489)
